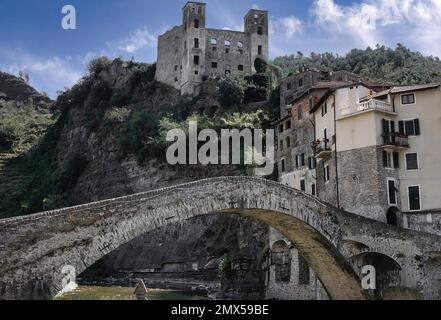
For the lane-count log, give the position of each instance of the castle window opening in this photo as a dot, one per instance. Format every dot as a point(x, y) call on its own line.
point(214, 65)
point(259, 30)
point(227, 50)
point(196, 23)
point(196, 43)
point(196, 60)
point(240, 67)
point(196, 72)
point(259, 50)
point(214, 49)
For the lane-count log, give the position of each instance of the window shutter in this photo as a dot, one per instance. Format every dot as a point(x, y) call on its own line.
point(385, 126)
point(392, 126)
point(385, 159)
point(401, 127)
point(396, 160)
point(417, 127)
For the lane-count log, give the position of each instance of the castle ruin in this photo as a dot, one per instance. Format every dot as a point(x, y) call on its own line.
point(190, 53)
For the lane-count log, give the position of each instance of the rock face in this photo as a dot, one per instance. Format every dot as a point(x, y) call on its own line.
point(13, 88)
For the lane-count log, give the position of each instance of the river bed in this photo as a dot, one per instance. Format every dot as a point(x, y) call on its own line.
point(126, 293)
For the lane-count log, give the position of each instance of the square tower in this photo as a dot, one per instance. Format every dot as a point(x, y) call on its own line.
point(256, 26)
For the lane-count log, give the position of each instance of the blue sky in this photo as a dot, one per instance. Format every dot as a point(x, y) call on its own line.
point(32, 40)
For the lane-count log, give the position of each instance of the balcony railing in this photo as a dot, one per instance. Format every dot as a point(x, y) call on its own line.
point(396, 140)
point(375, 105)
point(321, 148)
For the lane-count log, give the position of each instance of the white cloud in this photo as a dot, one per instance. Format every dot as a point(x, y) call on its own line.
point(286, 26)
point(48, 75)
point(137, 40)
point(415, 23)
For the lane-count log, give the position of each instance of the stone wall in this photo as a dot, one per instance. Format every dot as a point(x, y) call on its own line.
point(363, 182)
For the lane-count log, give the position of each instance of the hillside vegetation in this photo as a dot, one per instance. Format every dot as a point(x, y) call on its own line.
point(399, 65)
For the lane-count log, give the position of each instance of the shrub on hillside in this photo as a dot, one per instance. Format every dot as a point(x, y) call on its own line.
point(231, 92)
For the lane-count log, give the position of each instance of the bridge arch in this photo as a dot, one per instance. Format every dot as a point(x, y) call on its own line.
point(80, 236)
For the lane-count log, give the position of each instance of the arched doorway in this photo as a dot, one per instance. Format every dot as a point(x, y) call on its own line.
point(388, 271)
point(393, 216)
point(281, 260)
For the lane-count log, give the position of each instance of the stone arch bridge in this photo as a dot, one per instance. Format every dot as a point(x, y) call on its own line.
point(34, 249)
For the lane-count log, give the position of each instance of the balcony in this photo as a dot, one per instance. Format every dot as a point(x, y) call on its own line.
point(395, 141)
point(322, 148)
point(375, 105)
point(371, 105)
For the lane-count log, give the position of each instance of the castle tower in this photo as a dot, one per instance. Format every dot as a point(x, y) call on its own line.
point(256, 25)
point(193, 64)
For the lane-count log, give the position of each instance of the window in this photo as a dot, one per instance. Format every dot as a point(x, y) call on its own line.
point(196, 23)
point(185, 45)
point(300, 82)
point(214, 65)
point(312, 163)
point(259, 50)
point(388, 126)
point(297, 161)
point(324, 109)
point(196, 43)
point(281, 145)
point(288, 124)
point(304, 275)
point(288, 142)
point(227, 43)
point(412, 161)
point(176, 79)
point(326, 172)
point(196, 72)
point(299, 112)
point(213, 41)
point(214, 49)
point(259, 30)
point(240, 67)
point(391, 191)
point(410, 127)
point(302, 160)
point(288, 86)
point(408, 99)
point(302, 185)
point(227, 50)
point(391, 160)
point(283, 165)
point(240, 44)
point(176, 68)
point(414, 198)
point(240, 51)
point(196, 60)
point(313, 189)
point(281, 128)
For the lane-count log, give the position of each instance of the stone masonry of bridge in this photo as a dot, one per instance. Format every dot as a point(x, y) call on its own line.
point(34, 249)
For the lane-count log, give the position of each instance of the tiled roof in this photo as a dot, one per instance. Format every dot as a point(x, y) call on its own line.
point(403, 89)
